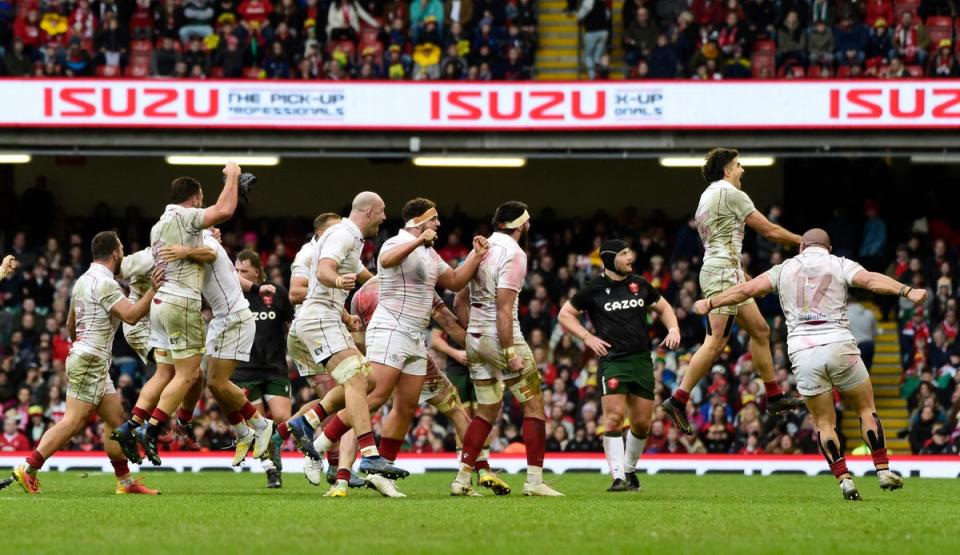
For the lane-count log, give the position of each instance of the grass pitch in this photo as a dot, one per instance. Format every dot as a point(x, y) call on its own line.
point(214, 513)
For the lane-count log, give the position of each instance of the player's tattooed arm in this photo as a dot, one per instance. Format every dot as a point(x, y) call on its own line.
point(569, 319)
point(669, 319)
point(885, 285)
point(754, 288)
point(199, 255)
point(771, 231)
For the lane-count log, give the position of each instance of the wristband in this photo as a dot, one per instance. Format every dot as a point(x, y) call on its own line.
point(509, 353)
point(900, 294)
point(709, 305)
point(339, 282)
point(586, 335)
point(254, 288)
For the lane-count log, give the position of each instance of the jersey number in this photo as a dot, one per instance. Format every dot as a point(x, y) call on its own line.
point(823, 283)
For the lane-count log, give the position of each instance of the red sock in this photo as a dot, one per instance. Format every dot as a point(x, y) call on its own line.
point(343, 474)
point(473, 440)
point(364, 441)
point(120, 468)
point(283, 430)
point(880, 459)
point(333, 457)
point(140, 414)
point(160, 416)
point(184, 415)
point(36, 460)
point(483, 465)
point(335, 429)
point(248, 411)
point(535, 438)
point(681, 396)
point(772, 388)
point(234, 417)
point(389, 448)
point(321, 414)
point(839, 467)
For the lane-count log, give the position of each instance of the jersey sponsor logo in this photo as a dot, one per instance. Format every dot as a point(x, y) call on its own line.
point(623, 305)
point(271, 315)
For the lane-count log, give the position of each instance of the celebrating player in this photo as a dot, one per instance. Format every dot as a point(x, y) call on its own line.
point(724, 209)
point(812, 287)
point(617, 302)
point(497, 353)
point(97, 306)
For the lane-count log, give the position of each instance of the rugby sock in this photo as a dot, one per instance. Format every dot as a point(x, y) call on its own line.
point(389, 448)
point(316, 416)
point(483, 461)
point(184, 416)
point(681, 396)
point(267, 465)
point(343, 474)
point(839, 467)
point(473, 439)
point(880, 459)
point(333, 458)
point(774, 393)
point(250, 414)
point(283, 430)
point(139, 415)
point(35, 462)
point(635, 446)
point(240, 428)
point(613, 449)
point(161, 418)
point(535, 439)
point(122, 471)
point(367, 445)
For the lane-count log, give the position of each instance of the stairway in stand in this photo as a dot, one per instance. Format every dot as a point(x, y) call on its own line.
point(885, 375)
point(557, 53)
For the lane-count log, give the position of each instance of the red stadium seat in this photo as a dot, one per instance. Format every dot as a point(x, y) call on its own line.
point(216, 72)
point(938, 28)
point(900, 6)
point(763, 63)
point(765, 46)
point(251, 72)
point(796, 71)
point(107, 71)
point(843, 72)
point(140, 46)
point(915, 70)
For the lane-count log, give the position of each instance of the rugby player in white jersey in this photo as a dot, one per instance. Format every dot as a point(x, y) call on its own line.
point(497, 353)
point(97, 306)
point(723, 211)
point(321, 327)
point(812, 287)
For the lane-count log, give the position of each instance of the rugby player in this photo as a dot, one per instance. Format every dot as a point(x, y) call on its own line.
point(497, 353)
point(617, 302)
point(97, 306)
point(812, 287)
point(724, 209)
point(322, 329)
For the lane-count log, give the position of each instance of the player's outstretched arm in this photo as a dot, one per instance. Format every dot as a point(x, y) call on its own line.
point(394, 256)
point(457, 279)
point(227, 202)
point(200, 255)
point(448, 322)
point(757, 287)
point(264, 289)
point(569, 318)
point(771, 231)
point(439, 342)
point(131, 313)
point(885, 285)
point(669, 319)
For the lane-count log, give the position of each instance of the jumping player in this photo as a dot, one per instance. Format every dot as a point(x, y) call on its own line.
point(97, 306)
point(497, 353)
point(617, 302)
point(812, 287)
point(724, 209)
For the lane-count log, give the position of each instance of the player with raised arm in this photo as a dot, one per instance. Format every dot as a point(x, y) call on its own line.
point(812, 287)
point(97, 306)
point(723, 211)
point(497, 353)
point(617, 302)
point(321, 327)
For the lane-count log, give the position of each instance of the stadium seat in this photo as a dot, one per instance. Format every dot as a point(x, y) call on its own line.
point(107, 71)
point(764, 46)
point(216, 72)
point(796, 72)
point(140, 46)
point(251, 72)
point(762, 63)
point(139, 65)
point(843, 72)
point(915, 70)
point(938, 28)
point(900, 6)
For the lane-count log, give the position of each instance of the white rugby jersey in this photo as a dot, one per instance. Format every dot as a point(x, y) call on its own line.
point(221, 286)
point(137, 268)
point(407, 290)
point(720, 219)
point(302, 266)
point(503, 267)
point(179, 226)
point(94, 295)
point(813, 294)
point(342, 243)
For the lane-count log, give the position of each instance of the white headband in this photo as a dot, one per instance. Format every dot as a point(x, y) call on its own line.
point(422, 218)
point(522, 219)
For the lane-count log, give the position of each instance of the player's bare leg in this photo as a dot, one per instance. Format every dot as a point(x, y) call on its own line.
point(73, 421)
point(406, 396)
point(825, 419)
point(750, 318)
point(614, 407)
point(640, 412)
point(249, 426)
point(476, 434)
point(526, 389)
point(125, 434)
point(871, 429)
point(183, 425)
point(448, 404)
point(111, 412)
point(716, 339)
point(186, 373)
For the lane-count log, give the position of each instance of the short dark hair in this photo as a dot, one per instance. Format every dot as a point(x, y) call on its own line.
point(253, 258)
point(507, 212)
point(104, 244)
point(416, 207)
point(320, 221)
point(182, 188)
point(716, 160)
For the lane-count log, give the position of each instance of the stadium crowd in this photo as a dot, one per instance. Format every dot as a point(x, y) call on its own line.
point(282, 39)
point(727, 409)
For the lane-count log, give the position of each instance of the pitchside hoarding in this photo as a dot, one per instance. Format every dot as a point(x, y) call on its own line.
point(527, 106)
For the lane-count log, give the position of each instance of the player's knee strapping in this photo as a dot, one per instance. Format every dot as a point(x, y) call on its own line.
point(350, 367)
point(447, 400)
point(489, 393)
point(527, 387)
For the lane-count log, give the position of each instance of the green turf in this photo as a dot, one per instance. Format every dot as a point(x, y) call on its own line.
point(233, 513)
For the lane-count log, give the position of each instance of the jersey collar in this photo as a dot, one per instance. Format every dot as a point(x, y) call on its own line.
point(353, 228)
point(99, 268)
point(815, 249)
point(722, 184)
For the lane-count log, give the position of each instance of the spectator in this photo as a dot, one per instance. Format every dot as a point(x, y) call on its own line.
point(851, 40)
point(13, 439)
point(863, 326)
point(910, 40)
point(821, 45)
point(663, 59)
point(595, 17)
point(111, 43)
point(420, 10)
point(198, 20)
point(458, 11)
point(944, 62)
point(874, 237)
point(640, 37)
point(230, 57)
point(879, 44)
point(791, 42)
point(938, 444)
point(878, 10)
point(343, 20)
point(17, 60)
point(163, 60)
point(737, 66)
